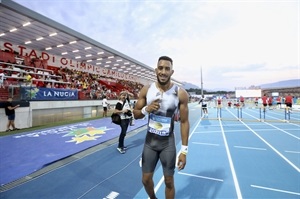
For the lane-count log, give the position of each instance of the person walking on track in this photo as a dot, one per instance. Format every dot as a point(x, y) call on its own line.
point(264, 102)
point(203, 102)
point(105, 105)
point(10, 113)
point(159, 101)
point(289, 102)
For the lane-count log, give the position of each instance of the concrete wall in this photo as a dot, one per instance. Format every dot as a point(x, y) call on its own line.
point(41, 113)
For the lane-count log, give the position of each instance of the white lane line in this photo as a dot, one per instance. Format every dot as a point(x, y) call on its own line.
point(273, 148)
point(112, 195)
point(276, 127)
point(292, 151)
point(278, 190)
point(252, 148)
point(203, 177)
point(235, 180)
point(283, 131)
point(96, 185)
point(162, 178)
point(244, 130)
point(219, 131)
point(202, 143)
point(207, 132)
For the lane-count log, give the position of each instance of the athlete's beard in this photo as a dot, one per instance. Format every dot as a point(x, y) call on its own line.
point(163, 83)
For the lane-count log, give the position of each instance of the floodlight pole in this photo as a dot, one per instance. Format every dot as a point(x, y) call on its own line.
point(201, 81)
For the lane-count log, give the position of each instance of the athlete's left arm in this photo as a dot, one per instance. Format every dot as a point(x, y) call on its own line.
point(184, 116)
point(184, 125)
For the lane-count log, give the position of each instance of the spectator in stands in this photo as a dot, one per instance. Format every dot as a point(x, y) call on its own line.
point(48, 77)
point(2, 79)
point(28, 77)
point(10, 113)
point(122, 108)
point(9, 72)
point(40, 84)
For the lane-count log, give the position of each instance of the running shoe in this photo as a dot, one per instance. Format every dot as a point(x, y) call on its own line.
point(121, 150)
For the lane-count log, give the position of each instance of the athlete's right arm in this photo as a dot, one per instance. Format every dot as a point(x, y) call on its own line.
point(140, 104)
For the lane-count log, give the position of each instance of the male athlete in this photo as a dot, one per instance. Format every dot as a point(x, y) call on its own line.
point(160, 100)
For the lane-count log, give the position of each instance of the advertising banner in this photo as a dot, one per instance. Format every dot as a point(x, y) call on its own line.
point(45, 94)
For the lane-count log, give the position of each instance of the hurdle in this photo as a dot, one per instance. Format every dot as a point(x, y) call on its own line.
point(264, 114)
point(287, 114)
point(219, 112)
point(201, 112)
point(239, 113)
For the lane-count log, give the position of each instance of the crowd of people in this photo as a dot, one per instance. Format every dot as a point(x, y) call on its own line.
point(267, 101)
point(65, 78)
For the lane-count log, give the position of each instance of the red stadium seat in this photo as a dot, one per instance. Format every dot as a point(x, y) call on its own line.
point(7, 57)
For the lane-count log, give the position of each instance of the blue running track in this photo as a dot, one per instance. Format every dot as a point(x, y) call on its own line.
point(229, 157)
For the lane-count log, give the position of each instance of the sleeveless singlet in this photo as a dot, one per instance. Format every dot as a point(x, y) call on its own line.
point(161, 122)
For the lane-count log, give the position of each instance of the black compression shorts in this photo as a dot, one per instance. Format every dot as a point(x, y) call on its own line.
point(159, 148)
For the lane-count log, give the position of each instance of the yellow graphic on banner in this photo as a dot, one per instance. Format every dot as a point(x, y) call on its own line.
point(83, 139)
point(86, 134)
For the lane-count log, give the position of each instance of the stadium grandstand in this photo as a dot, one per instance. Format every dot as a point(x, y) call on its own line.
point(48, 64)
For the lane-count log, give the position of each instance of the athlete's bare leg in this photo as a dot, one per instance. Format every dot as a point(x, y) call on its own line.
point(170, 189)
point(149, 184)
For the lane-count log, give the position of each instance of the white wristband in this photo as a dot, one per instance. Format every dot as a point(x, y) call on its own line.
point(184, 149)
point(144, 112)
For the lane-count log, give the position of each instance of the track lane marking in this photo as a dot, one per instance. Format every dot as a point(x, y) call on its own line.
point(276, 127)
point(235, 180)
point(202, 143)
point(112, 195)
point(252, 148)
point(203, 177)
point(277, 190)
point(292, 151)
point(267, 143)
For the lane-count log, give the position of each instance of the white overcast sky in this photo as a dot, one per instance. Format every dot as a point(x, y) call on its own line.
point(237, 43)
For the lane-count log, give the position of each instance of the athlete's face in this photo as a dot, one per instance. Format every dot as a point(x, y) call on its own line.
point(164, 71)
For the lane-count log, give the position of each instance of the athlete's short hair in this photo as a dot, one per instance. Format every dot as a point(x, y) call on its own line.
point(165, 58)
